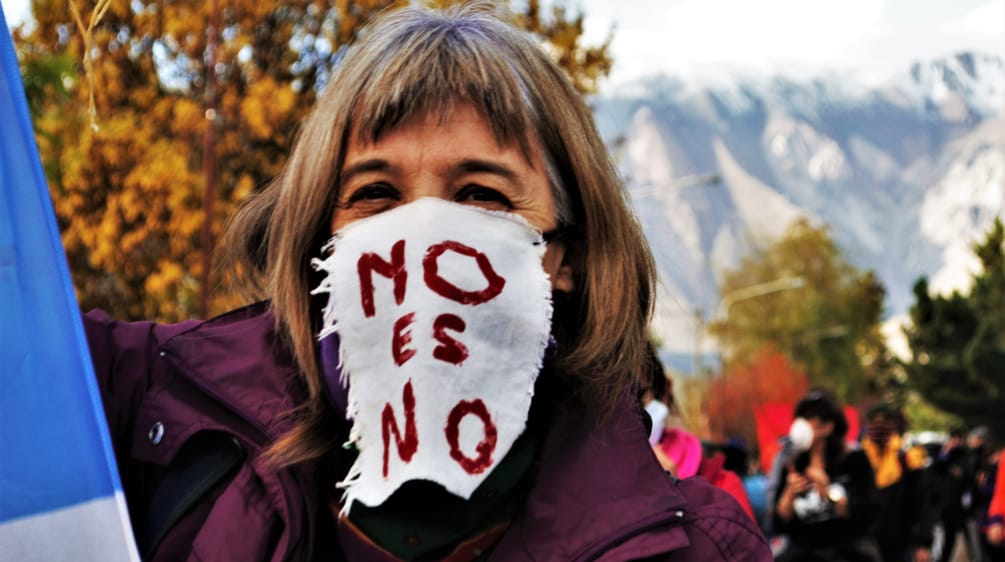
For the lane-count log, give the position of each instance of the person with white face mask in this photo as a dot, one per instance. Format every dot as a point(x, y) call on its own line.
point(656, 397)
point(679, 451)
point(825, 500)
point(444, 365)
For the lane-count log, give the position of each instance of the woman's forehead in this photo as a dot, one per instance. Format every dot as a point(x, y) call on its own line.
point(367, 132)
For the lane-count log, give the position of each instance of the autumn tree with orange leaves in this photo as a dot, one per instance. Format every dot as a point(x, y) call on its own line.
point(127, 180)
point(733, 398)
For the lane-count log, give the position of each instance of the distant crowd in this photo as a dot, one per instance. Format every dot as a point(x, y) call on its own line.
point(882, 495)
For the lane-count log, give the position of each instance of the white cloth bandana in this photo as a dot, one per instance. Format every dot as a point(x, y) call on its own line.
point(443, 312)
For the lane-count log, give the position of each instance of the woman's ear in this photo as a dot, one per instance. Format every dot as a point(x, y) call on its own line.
point(556, 265)
point(564, 280)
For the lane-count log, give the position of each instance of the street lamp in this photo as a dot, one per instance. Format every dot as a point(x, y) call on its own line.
point(749, 292)
point(617, 147)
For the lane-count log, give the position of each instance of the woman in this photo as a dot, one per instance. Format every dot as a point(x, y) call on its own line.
point(478, 230)
point(826, 496)
point(679, 451)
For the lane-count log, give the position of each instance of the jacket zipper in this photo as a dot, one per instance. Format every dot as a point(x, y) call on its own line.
point(253, 424)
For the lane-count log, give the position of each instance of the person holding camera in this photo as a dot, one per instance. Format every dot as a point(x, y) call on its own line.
point(826, 495)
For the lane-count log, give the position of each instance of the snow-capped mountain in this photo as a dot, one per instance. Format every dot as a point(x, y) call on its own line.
point(907, 173)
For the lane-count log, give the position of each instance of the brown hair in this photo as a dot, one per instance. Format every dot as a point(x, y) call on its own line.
point(416, 60)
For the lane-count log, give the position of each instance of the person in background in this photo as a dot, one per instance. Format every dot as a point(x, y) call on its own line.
point(825, 501)
point(679, 451)
point(755, 484)
point(993, 537)
point(983, 460)
point(656, 399)
point(688, 458)
point(656, 396)
point(906, 515)
point(953, 472)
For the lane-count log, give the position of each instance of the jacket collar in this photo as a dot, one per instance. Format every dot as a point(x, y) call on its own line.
point(236, 359)
point(599, 485)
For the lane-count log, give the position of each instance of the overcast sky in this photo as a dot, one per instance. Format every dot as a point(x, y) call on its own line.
point(680, 36)
point(871, 36)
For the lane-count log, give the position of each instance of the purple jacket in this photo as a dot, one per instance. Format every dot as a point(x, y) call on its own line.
point(599, 493)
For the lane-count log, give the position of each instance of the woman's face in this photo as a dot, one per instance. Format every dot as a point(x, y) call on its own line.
point(455, 158)
point(821, 429)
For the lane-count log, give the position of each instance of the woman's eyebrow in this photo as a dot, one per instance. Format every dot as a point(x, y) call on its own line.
point(370, 165)
point(475, 166)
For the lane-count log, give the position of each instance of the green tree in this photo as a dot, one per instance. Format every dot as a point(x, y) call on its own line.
point(828, 326)
point(128, 181)
point(958, 341)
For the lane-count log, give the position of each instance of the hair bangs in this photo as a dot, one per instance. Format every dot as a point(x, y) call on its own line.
point(433, 64)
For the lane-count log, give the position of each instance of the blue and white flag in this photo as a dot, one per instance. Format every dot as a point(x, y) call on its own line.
point(60, 495)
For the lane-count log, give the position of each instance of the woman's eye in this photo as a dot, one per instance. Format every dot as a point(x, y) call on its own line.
point(372, 192)
point(481, 195)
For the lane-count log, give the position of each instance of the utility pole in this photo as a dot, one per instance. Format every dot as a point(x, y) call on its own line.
point(209, 159)
point(699, 333)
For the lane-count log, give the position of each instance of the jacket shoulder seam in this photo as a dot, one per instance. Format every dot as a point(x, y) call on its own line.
point(703, 521)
